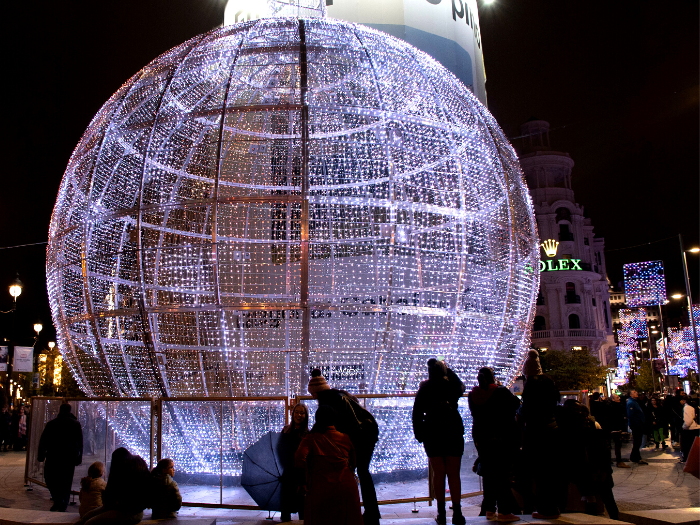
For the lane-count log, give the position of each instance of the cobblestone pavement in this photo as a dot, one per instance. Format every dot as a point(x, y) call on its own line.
point(661, 484)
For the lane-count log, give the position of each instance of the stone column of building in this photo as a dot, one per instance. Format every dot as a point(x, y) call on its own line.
point(573, 310)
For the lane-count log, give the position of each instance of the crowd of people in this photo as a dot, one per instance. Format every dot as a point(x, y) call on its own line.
point(520, 446)
point(13, 428)
point(122, 498)
point(652, 419)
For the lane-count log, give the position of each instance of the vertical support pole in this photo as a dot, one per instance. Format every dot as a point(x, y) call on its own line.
point(106, 432)
point(221, 455)
point(29, 446)
point(431, 491)
point(663, 342)
point(304, 285)
point(651, 361)
point(151, 447)
point(159, 431)
point(689, 296)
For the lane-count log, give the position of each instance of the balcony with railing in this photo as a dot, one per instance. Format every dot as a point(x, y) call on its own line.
point(569, 333)
point(572, 298)
point(566, 236)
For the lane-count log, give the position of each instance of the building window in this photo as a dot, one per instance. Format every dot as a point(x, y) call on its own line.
point(593, 301)
point(563, 214)
point(564, 233)
point(605, 314)
point(585, 241)
point(574, 321)
point(540, 324)
point(540, 299)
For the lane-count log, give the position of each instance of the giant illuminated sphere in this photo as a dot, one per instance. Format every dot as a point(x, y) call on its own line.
point(285, 194)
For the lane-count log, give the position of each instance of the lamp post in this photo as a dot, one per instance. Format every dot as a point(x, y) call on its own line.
point(15, 292)
point(690, 301)
point(38, 327)
point(52, 344)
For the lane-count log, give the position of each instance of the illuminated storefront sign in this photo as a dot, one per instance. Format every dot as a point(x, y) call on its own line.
point(554, 265)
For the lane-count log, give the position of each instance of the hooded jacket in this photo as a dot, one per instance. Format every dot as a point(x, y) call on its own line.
point(91, 490)
point(166, 499)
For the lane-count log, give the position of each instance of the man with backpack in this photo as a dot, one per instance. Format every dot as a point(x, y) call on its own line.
point(361, 428)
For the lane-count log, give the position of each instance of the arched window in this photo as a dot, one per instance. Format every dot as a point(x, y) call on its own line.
point(540, 323)
point(563, 214)
point(564, 233)
point(574, 321)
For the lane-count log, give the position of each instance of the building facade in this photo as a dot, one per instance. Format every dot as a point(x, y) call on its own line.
point(573, 306)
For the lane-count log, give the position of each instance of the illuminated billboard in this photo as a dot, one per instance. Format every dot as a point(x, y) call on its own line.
point(448, 30)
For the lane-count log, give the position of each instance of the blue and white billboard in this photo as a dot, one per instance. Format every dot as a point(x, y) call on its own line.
point(448, 30)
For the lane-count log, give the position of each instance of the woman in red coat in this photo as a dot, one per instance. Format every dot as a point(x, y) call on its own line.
point(329, 459)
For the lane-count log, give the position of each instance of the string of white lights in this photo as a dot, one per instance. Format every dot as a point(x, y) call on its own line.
point(286, 194)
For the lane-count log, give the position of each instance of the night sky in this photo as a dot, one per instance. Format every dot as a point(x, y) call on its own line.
point(618, 82)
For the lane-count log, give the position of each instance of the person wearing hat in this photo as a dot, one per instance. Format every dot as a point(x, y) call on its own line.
point(362, 429)
point(541, 437)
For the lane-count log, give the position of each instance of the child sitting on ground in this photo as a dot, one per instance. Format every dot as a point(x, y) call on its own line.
point(165, 495)
point(91, 488)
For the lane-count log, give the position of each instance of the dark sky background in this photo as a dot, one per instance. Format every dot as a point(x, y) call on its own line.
point(618, 81)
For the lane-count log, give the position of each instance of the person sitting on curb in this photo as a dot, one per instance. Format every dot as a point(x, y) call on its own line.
point(91, 488)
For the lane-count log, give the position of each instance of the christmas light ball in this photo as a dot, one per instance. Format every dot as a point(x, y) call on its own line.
point(287, 194)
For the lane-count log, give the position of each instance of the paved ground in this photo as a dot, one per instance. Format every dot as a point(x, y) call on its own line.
point(660, 485)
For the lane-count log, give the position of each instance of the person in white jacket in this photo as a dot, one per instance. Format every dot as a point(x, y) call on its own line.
point(690, 428)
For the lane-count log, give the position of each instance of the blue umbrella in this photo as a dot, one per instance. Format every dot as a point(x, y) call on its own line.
point(262, 472)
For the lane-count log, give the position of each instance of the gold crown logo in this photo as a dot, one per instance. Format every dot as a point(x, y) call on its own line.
point(550, 247)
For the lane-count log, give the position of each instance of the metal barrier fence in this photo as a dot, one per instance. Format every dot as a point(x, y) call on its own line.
point(202, 433)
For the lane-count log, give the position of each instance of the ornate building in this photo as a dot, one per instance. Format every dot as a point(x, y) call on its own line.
point(573, 306)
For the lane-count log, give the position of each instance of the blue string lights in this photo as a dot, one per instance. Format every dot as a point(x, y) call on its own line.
point(633, 327)
point(681, 347)
point(283, 194)
point(645, 284)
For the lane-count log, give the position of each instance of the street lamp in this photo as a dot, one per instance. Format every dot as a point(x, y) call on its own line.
point(15, 292)
point(16, 289)
point(35, 374)
point(690, 300)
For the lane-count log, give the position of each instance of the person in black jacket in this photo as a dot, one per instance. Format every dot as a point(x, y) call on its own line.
point(5, 420)
point(618, 426)
point(541, 441)
point(674, 416)
point(361, 428)
point(657, 419)
point(587, 462)
point(495, 434)
point(637, 422)
point(292, 478)
point(438, 425)
point(61, 450)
